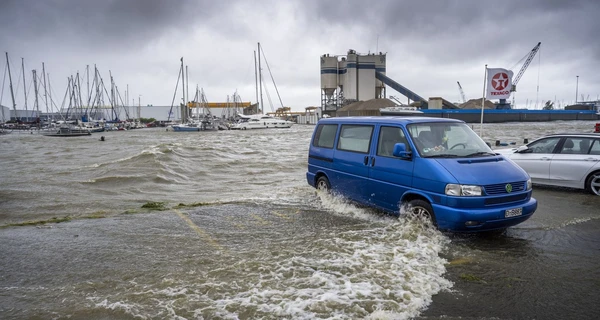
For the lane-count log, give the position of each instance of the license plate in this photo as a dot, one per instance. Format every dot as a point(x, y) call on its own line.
point(513, 212)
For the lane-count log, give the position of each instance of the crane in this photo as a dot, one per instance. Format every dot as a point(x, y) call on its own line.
point(528, 57)
point(462, 94)
point(524, 67)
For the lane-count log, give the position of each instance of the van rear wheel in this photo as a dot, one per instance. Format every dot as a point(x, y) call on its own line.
point(421, 208)
point(323, 184)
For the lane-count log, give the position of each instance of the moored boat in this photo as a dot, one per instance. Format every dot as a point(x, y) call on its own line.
point(260, 121)
point(66, 131)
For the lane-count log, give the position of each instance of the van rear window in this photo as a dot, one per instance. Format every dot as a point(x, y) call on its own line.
point(355, 138)
point(325, 136)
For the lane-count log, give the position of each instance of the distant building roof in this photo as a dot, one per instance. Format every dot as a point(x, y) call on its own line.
point(476, 104)
point(373, 104)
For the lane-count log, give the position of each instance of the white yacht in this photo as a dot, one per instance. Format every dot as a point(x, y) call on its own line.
point(260, 121)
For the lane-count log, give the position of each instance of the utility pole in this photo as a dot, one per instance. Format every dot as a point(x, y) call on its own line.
point(576, 89)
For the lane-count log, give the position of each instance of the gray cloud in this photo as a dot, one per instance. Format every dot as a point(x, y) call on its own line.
point(104, 24)
point(430, 44)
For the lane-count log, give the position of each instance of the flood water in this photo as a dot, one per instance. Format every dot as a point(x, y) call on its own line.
point(235, 232)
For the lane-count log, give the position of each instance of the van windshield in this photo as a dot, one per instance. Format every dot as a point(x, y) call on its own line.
point(447, 140)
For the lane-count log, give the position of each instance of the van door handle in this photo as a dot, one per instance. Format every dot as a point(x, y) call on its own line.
point(545, 158)
point(366, 161)
point(372, 161)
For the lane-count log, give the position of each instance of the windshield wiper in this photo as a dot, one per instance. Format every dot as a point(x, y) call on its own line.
point(444, 155)
point(480, 153)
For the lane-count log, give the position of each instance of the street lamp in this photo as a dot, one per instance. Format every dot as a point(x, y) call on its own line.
point(576, 89)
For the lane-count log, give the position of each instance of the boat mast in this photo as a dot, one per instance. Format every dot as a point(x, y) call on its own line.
point(187, 88)
point(256, 81)
point(45, 92)
point(87, 72)
point(260, 82)
point(35, 90)
point(184, 113)
point(50, 95)
point(12, 94)
point(24, 85)
point(272, 79)
point(81, 108)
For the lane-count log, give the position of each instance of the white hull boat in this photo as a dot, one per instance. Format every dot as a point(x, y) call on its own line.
point(260, 121)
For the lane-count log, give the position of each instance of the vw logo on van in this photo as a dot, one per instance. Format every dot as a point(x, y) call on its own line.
point(508, 187)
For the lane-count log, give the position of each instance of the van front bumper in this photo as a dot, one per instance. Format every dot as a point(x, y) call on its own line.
point(473, 220)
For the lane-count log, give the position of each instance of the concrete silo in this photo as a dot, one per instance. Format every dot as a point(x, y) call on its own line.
point(350, 80)
point(329, 82)
point(380, 67)
point(365, 77)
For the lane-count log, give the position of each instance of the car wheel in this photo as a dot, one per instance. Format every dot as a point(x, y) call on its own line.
point(592, 184)
point(421, 208)
point(323, 184)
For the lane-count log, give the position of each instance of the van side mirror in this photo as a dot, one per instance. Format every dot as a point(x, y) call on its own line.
point(400, 151)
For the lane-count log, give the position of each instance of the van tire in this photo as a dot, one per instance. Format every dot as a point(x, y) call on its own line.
point(421, 207)
point(323, 184)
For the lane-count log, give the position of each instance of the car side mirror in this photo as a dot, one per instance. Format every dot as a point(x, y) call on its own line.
point(401, 152)
point(523, 149)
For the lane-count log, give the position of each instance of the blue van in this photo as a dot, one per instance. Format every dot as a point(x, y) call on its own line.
point(438, 167)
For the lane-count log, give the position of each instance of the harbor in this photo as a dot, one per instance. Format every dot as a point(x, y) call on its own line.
point(156, 224)
point(382, 160)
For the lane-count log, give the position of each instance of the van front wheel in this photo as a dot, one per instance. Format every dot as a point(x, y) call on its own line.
point(323, 184)
point(421, 208)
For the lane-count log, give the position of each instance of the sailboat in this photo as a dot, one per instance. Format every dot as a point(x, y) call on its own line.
point(260, 120)
point(194, 120)
point(200, 120)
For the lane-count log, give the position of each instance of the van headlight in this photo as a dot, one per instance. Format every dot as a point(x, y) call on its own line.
point(528, 184)
point(462, 190)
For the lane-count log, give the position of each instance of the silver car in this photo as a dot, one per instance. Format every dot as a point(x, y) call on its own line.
point(566, 160)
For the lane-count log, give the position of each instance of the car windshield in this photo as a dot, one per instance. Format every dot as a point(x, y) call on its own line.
point(447, 140)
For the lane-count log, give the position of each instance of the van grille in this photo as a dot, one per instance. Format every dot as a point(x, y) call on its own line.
point(501, 188)
point(505, 199)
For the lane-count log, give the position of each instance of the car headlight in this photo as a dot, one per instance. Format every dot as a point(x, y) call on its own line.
point(529, 184)
point(462, 190)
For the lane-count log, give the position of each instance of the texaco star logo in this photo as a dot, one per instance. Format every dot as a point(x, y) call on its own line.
point(500, 81)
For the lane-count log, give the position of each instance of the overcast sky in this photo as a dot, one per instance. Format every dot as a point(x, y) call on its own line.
point(430, 45)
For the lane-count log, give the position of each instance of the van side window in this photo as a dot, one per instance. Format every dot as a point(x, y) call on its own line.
point(325, 136)
point(355, 138)
point(388, 137)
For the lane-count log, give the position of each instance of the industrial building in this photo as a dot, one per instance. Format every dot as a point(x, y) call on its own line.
point(350, 78)
point(355, 85)
point(349, 81)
